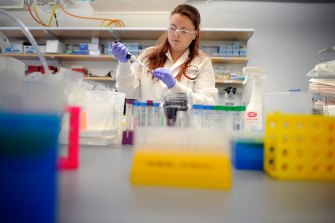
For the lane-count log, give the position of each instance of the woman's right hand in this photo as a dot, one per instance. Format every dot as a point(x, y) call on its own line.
point(120, 52)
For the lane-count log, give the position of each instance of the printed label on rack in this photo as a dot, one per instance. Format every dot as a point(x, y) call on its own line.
point(252, 114)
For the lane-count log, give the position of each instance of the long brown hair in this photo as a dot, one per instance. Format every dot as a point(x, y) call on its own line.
point(157, 57)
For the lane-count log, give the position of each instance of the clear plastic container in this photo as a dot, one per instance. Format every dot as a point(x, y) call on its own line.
point(182, 119)
point(238, 118)
point(223, 117)
point(208, 116)
point(197, 113)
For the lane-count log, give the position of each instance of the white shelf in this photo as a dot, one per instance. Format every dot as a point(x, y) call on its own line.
point(126, 33)
point(23, 56)
point(234, 82)
point(99, 78)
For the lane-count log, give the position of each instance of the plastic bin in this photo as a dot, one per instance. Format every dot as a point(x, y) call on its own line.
point(247, 155)
point(28, 164)
point(104, 112)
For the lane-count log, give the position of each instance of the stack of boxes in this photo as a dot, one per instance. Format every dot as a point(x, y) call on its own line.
point(133, 48)
point(235, 49)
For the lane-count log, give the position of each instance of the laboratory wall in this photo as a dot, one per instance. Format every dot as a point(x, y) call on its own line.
point(285, 43)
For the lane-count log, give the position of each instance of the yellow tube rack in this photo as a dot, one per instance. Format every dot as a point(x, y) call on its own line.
point(178, 163)
point(300, 147)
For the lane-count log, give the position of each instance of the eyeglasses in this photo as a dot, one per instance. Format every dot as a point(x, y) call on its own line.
point(182, 32)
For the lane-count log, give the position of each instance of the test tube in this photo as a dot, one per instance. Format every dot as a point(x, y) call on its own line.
point(143, 114)
point(129, 114)
point(136, 114)
point(157, 114)
point(127, 135)
point(150, 113)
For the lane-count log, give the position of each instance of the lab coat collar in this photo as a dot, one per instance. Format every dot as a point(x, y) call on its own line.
point(180, 61)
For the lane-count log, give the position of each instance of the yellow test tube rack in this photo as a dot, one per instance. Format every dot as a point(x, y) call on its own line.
point(300, 147)
point(183, 158)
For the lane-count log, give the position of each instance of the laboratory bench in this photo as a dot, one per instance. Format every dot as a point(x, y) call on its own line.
point(100, 191)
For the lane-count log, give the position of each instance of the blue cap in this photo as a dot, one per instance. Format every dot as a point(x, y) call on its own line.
point(197, 106)
point(137, 103)
point(208, 107)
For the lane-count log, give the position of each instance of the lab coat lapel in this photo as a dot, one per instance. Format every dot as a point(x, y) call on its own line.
point(180, 61)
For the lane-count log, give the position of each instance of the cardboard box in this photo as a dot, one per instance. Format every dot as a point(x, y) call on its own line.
point(54, 46)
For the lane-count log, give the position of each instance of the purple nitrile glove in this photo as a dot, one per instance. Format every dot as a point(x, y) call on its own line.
point(166, 76)
point(120, 52)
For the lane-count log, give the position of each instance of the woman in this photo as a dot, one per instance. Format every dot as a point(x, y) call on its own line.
point(176, 64)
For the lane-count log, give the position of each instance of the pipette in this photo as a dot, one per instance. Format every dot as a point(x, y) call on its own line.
point(134, 59)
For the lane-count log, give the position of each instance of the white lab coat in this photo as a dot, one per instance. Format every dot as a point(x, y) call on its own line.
point(136, 83)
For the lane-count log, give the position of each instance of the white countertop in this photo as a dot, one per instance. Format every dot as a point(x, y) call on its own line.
point(99, 191)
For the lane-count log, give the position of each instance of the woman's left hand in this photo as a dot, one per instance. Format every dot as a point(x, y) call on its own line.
point(166, 76)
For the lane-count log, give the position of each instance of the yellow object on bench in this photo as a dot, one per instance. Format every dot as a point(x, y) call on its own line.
point(300, 147)
point(190, 158)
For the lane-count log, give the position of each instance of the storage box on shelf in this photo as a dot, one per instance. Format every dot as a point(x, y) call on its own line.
point(322, 83)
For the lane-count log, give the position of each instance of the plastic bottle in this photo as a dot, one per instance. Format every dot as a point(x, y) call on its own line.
point(254, 111)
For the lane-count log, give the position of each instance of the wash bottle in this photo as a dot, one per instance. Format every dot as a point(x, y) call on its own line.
point(254, 113)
